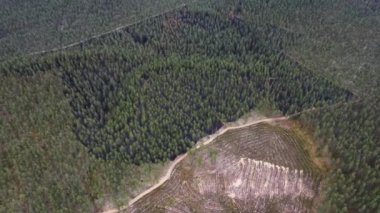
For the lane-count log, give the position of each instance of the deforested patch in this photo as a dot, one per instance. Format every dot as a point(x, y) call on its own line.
point(260, 168)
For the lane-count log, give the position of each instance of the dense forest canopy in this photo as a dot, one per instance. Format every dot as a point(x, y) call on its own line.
point(185, 83)
point(351, 135)
point(34, 26)
point(146, 93)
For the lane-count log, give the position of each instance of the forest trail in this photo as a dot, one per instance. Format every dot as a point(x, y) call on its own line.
point(210, 138)
point(105, 33)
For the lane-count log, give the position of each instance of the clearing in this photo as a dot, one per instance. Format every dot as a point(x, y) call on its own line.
point(250, 164)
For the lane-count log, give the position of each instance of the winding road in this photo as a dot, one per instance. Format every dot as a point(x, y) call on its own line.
point(210, 138)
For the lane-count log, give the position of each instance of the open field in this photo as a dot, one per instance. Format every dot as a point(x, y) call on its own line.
point(255, 168)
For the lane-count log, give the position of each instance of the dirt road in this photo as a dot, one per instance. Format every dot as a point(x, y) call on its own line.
point(105, 33)
point(210, 138)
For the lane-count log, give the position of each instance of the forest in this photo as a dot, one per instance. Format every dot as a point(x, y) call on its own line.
point(146, 93)
point(154, 106)
point(33, 26)
point(350, 134)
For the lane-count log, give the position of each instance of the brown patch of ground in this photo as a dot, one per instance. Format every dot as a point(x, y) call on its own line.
point(319, 158)
point(250, 169)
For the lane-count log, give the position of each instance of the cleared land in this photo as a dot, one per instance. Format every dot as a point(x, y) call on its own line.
point(247, 120)
point(255, 168)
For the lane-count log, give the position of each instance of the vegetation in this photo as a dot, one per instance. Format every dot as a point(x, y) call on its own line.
point(351, 135)
point(146, 93)
point(42, 166)
point(336, 39)
point(156, 103)
point(251, 169)
point(33, 26)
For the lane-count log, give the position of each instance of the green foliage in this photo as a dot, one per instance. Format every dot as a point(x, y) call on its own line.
point(178, 81)
point(35, 129)
point(43, 168)
point(148, 92)
point(352, 135)
point(336, 39)
point(33, 25)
